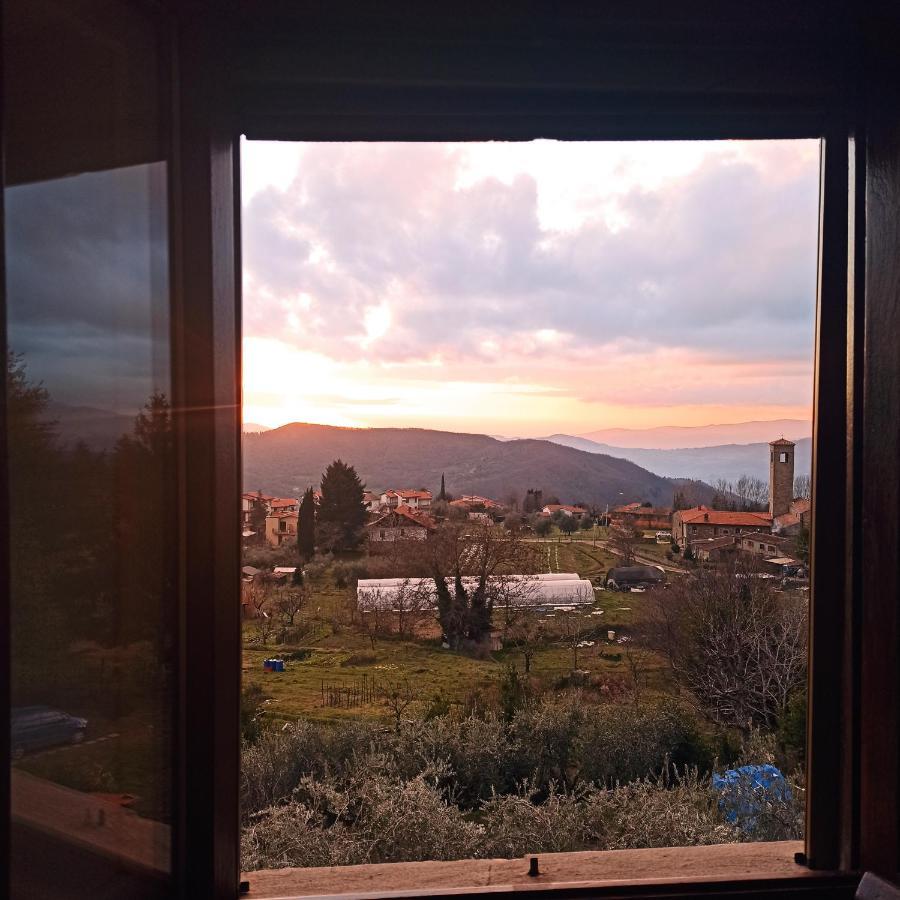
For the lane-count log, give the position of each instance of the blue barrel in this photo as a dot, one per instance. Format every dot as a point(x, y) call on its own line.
point(279, 665)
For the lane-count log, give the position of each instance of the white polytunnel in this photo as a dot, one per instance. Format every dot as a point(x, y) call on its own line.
point(519, 590)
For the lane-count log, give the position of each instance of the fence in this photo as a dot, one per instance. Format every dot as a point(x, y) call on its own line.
point(363, 692)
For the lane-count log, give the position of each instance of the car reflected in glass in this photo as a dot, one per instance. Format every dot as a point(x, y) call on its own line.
point(39, 727)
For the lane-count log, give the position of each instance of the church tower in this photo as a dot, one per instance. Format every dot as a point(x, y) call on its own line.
point(781, 477)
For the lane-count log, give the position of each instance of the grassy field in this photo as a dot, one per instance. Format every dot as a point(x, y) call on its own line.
point(337, 652)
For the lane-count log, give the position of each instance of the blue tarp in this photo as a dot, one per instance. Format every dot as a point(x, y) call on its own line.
point(744, 792)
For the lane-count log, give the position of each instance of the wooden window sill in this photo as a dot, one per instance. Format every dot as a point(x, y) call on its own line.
point(601, 870)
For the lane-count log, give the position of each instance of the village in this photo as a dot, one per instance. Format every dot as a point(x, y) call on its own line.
point(777, 536)
point(348, 612)
point(578, 648)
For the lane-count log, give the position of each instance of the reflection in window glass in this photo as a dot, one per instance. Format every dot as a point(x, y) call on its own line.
point(91, 477)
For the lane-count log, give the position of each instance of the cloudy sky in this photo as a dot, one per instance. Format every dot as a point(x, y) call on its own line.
point(87, 285)
point(530, 288)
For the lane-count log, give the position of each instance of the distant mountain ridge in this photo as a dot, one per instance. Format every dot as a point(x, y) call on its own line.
point(728, 461)
point(673, 437)
point(286, 460)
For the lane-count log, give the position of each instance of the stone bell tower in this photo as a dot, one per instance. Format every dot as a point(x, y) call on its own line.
point(781, 476)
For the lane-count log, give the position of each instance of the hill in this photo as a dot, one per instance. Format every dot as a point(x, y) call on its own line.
point(708, 464)
point(99, 429)
point(286, 460)
point(672, 437)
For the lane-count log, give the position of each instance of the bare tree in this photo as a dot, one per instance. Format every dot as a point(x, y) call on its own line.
point(738, 647)
point(751, 493)
point(637, 659)
point(397, 696)
point(724, 496)
point(574, 625)
point(470, 564)
point(256, 592)
point(527, 632)
point(288, 601)
point(624, 541)
point(803, 487)
point(264, 626)
point(412, 603)
point(373, 623)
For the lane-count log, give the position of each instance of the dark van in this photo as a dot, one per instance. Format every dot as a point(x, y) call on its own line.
point(36, 727)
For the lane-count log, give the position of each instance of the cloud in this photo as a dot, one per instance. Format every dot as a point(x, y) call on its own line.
point(720, 258)
point(87, 285)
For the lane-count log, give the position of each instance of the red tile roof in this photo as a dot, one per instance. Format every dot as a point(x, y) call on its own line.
point(781, 442)
point(627, 507)
point(280, 502)
point(406, 513)
point(787, 520)
point(702, 515)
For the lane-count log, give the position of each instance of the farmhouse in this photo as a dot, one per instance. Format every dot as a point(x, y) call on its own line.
point(701, 522)
point(576, 512)
point(766, 545)
point(637, 517)
point(372, 502)
point(400, 524)
point(481, 509)
point(715, 549)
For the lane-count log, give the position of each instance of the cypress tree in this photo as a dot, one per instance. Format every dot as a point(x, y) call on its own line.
point(306, 526)
point(342, 512)
point(443, 494)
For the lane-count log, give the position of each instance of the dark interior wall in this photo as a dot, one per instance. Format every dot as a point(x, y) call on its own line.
point(48, 112)
point(522, 70)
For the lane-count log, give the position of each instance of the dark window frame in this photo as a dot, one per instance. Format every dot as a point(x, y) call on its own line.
point(341, 72)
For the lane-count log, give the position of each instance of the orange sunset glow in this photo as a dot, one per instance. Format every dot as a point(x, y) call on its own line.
point(527, 289)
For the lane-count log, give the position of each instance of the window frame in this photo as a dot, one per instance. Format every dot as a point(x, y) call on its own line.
point(238, 72)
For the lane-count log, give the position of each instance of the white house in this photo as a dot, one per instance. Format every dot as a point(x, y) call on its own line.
point(413, 499)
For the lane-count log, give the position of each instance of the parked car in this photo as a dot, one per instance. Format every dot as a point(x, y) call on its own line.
point(36, 727)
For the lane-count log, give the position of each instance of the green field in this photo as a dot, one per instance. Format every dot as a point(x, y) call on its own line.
point(335, 651)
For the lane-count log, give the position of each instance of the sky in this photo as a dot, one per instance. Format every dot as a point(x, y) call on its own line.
point(524, 289)
point(88, 286)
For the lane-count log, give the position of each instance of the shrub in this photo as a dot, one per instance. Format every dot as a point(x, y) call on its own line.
point(562, 775)
point(516, 826)
point(677, 810)
point(316, 568)
point(252, 697)
point(360, 659)
point(368, 818)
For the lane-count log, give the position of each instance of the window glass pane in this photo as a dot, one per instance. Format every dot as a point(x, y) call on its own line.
point(550, 437)
point(92, 512)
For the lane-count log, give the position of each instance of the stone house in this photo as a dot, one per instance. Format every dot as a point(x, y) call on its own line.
point(400, 524)
point(701, 523)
